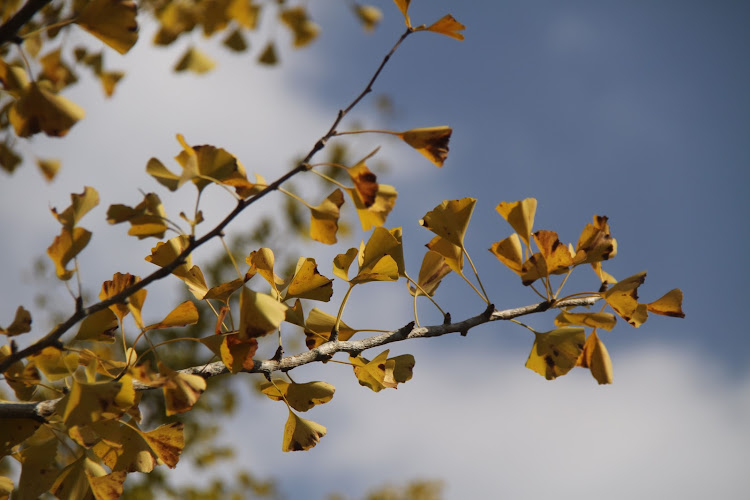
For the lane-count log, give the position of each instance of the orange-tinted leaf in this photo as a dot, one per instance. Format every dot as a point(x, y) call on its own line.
point(371, 374)
point(376, 214)
point(365, 182)
point(308, 283)
point(556, 255)
point(509, 252)
point(182, 315)
point(301, 434)
point(236, 353)
point(167, 442)
point(41, 110)
point(669, 305)
point(450, 219)
point(447, 26)
point(556, 352)
point(596, 358)
point(623, 298)
point(111, 21)
point(403, 6)
point(119, 283)
point(324, 219)
point(21, 323)
point(432, 142)
point(318, 328)
point(595, 243)
point(520, 216)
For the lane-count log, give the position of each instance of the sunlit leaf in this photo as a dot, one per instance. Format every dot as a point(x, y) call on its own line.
point(623, 298)
point(342, 262)
point(260, 314)
point(403, 6)
point(90, 402)
point(324, 219)
point(163, 175)
point(433, 270)
point(49, 167)
point(80, 205)
point(98, 327)
point(452, 254)
point(54, 363)
point(301, 397)
point(376, 214)
point(21, 323)
point(510, 252)
point(318, 328)
point(167, 442)
point(556, 352)
point(557, 256)
point(595, 243)
point(111, 21)
point(301, 434)
point(42, 110)
point(371, 374)
point(398, 370)
point(147, 219)
point(520, 216)
point(236, 353)
point(432, 142)
point(245, 12)
point(261, 261)
point(669, 305)
point(596, 358)
point(165, 252)
point(308, 283)
point(376, 262)
point(183, 315)
point(119, 283)
point(450, 219)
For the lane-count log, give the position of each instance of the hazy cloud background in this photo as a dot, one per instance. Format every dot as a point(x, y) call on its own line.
point(636, 110)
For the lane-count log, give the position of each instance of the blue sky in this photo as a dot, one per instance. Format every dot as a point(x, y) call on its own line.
point(635, 110)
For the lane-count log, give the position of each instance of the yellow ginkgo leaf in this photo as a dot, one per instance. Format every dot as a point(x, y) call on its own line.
point(556, 255)
point(80, 205)
point(369, 15)
point(433, 270)
point(225, 290)
point(181, 390)
point(623, 298)
point(376, 214)
point(107, 486)
point(260, 314)
point(318, 328)
point(452, 254)
point(595, 243)
point(432, 142)
point(90, 402)
point(22, 378)
point(111, 21)
point(450, 219)
point(38, 470)
point(121, 447)
point(604, 276)
point(308, 283)
point(365, 182)
point(9, 160)
point(182, 315)
point(398, 370)
point(65, 247)
point(163, 175)
point(207, 164)
point(49, 167)
point(594, 319)
point(371, 374)
point(6, 487)
point(165, 252)
point(303, 29)
point(447, 26)
point(15, 431)
point(669, 305)
point(118, 284)
point(520, 216)
point(21, 323)
point(236, 353)
point(14, 78)
point(342, 262)
point(324, 219)
point(596, 358)
point(99, 327)
point(301, 434)
point(56, 71)
point(301, 397)
point(245, 12)
point(195, 60)
point(261, 261)
point(54, 363)
point(166, 442)
point(509, 252)
point(41, 110)
point(109, 80)
point(147, 219)
point(403, 6)
point(376, 259)
point(556, 352)
point(235, 41)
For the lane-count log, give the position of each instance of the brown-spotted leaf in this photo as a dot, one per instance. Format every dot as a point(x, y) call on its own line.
point(122, 447)
point(594, 319)
point(596, 358)
point(21, 323)
point(236, 353)
point(301, 434)
point(556, 352)
point(520, 216)
point(668, 305)
point(433, 270)
point(450, 219)
point(262, 261)
point(111, 21)
point(65, 247)
point(556, 255)
point(301, 397)
point(98, 327)
point(40, 109)
point(452, 254)
point(119, 283)
point(181, 390)
point(80, 205)
point(318, 328)
point(432, 142)
point(371, 374)
point(623, 298)
point(90, 402)
point(324, 218)
point(595, 243)
point(146, 219)
point(260, 314)
point(398, 370)
point(15, 431)
point(167, 442)
point(308, 283)
point(376, 214)
point(365, 182)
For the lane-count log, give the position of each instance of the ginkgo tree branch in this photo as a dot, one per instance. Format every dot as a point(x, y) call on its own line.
point(53, 337)
point(9, 30)
point(42, 409)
